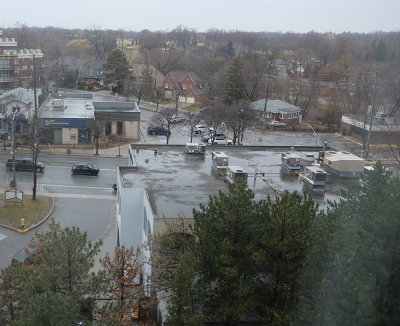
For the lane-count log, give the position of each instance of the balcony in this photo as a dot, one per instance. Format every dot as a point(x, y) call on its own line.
point(6, 79)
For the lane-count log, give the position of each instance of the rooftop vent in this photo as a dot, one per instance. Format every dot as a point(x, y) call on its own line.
point(58, 103)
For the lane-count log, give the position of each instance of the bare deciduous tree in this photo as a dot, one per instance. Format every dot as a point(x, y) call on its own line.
point(239, 118)
point(164, 118)
point(191, 120)
point(97, 129)
point(214, 117)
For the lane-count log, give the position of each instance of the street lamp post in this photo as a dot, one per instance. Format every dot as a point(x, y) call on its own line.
point(315, 135)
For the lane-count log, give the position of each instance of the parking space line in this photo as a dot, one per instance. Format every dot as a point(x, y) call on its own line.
point(2, 237)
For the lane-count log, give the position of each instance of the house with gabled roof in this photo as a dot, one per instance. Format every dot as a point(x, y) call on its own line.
point(96, 73)
point(158, 77)
point(277, 110)
point(187, 86)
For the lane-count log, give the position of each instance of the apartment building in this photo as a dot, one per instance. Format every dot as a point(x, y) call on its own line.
point(16, 65)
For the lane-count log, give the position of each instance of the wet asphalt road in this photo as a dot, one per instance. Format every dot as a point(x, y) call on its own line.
point(87, 202)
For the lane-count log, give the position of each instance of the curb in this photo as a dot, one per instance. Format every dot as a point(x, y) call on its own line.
point(34, 225)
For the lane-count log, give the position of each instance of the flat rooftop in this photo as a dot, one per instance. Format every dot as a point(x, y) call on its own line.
point(177, 182)
point(68, 106)
point(116, 107)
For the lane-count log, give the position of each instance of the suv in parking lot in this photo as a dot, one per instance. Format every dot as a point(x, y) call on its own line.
point(198, 129)
point(157, 130)
point(220, 140)
point(177, 119)
point(25, 164)
point(206, 137)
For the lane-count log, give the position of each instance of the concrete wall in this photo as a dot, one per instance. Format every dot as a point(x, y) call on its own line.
point(66, 136)
point(131, 129)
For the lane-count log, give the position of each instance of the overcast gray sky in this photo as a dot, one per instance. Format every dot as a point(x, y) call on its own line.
point(245, 15)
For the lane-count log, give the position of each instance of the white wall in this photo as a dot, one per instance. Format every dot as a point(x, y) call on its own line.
point(67, 133)
point(131, 129)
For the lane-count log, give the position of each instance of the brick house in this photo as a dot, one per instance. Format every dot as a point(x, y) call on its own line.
point(16, 65)
point(188, 86)
point(277, 110)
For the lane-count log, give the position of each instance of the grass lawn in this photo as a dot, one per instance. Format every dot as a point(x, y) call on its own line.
point(193, 108)
point(32, 211)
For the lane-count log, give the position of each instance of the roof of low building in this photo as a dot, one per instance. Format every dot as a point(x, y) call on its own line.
point(275, 106)
point(342, 156)
point(23, 95)
point(73, 106)
point(116, 106)
point(377, 125)
point(177, 182)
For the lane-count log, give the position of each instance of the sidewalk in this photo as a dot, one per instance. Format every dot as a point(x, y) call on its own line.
point(116, 151)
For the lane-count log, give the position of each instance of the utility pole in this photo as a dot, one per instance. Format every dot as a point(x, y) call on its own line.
point(14, 181)
point(35, 136)
point(266, 98)
point(366, 153)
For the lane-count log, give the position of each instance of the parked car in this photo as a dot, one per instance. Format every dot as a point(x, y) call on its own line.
point(198, 129)
point(157, 130)
point(206, 137)
point(177, 119)
point(275, 123)
point(220, 141)
point(24, 164)
point(21, 256)
point(85, 168)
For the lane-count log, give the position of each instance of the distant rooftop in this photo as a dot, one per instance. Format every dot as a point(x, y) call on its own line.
point(377, 125)
point(274, 106)
point(21, 94)
point(178, 182)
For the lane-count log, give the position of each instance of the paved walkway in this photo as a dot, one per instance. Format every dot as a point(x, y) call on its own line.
point(116, 151)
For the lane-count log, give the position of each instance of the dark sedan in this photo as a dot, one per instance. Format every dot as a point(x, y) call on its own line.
point(157, 130)
point(85, 168)
point(24, 164)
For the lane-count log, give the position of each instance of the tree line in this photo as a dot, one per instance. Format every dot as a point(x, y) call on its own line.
point(300, 68)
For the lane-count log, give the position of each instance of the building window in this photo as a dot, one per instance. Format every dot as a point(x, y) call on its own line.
point(4, 63)
point(268, 114)
point(168, 94)
point(73, 136)
point(281, 115)
point(119, 127)
point(107, 129)
point(183, 86)
point(293, 115)
point(166, 85)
